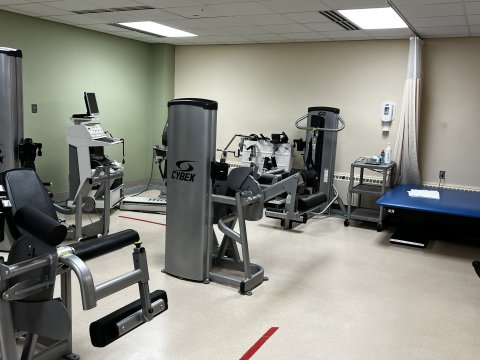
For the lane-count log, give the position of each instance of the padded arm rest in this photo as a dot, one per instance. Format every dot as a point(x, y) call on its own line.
point(40, 225)
point(93, 248)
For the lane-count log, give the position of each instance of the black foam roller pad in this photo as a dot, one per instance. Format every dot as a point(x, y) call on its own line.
point(104, 331)
point(93, 248)
point(40, 225)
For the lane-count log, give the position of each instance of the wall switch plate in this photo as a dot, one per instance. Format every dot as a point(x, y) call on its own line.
point(34, 108)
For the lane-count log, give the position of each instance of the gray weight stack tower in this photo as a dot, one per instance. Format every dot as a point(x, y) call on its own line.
point(192, 125)
point(320, 150)
point(11, 105)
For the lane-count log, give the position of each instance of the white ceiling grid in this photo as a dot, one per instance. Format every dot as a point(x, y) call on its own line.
point(268, 21)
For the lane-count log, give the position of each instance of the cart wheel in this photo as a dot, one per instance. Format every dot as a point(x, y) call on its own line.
point(346, 222)
point(379, 227)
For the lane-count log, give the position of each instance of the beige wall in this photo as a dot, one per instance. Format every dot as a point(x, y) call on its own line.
point(450, 124)
point(265, 88)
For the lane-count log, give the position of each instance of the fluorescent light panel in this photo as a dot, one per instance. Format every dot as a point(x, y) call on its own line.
point(156, 29)
point(377, 18)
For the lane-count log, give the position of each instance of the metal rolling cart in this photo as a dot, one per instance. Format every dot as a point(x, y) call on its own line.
point(361, 188)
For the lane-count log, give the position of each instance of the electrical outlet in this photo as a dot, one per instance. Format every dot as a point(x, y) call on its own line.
point(441, 175)
point(34, 108)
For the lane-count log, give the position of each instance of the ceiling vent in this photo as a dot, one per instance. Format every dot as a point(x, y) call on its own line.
point(117, 9)
point(338, 19)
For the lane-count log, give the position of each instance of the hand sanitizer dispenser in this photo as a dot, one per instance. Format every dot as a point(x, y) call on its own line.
point(387, 114)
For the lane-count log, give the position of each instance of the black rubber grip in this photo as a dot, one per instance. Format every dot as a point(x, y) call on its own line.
point(93, 248)
point(40, 225)
point(104, 331)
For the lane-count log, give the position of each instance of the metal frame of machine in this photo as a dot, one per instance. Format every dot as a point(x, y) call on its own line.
point(27, 281)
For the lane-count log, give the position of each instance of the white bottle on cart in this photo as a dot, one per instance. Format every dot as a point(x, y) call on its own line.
point(388, 154)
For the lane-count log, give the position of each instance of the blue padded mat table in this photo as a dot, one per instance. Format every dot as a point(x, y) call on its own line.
point(451, 202)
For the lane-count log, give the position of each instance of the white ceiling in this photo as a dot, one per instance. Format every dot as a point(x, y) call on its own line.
point(262, 21)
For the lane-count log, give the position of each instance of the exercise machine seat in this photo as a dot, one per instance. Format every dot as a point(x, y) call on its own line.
point(309, 202)
point(25, 189)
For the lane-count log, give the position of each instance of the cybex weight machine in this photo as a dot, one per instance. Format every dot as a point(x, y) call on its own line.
point(202, 193)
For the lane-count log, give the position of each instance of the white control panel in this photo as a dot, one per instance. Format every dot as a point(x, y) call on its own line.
point(95, 130)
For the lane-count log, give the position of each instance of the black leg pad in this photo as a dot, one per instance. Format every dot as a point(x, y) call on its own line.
point(105, 331)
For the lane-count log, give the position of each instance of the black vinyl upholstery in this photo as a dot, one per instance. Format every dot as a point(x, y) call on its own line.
point(24, 188)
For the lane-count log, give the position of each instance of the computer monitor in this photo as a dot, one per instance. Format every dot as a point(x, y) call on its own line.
point(91, 103)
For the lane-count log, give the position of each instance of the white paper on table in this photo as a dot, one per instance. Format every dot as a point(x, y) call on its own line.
point(427, 194)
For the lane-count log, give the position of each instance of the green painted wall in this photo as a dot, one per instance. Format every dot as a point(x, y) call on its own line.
point(132, 80)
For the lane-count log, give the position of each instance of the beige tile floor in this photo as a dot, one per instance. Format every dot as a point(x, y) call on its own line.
point(334, 292)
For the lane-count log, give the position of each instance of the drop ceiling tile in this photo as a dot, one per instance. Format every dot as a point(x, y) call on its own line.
point(113, 17)
point(75, 19)
point(12, 2)
point(269, 19)
point(225, 21)
point(289, 28)
point(247, 30)
point(287, 6)
point(154, 14)
point(325, 26)
point(106, 4)
point(439, 21)
point(347, 35)
point(266, 38)
point(228, 38)
point(307, 17)
point(209, 31)
point(241, 8)
point(312, 36)
point(72, 5)
point(354, 4)
point(162, 4)
point(474, 19)
point(194, 12)
point(39, 9)
point(432, 10)
point(472, 7)
point(390, 33)
point(443, 31)
point(425, 2)
point(475, 29)
point(186, 23)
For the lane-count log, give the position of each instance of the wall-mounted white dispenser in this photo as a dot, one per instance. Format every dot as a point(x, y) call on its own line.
point(387, 114)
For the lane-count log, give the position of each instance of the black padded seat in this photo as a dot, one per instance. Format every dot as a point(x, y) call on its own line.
point(25, 189)
point(310, 202)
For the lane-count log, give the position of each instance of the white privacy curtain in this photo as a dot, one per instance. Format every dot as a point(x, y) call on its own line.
point(405, 152)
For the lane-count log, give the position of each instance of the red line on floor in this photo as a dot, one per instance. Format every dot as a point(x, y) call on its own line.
point(259, 343)
point(147, 221)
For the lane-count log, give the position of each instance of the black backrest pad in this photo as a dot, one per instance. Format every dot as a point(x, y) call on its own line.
point(25, 188)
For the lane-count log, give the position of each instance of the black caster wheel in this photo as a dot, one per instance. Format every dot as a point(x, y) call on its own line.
point(379, 227)
point(346, 222)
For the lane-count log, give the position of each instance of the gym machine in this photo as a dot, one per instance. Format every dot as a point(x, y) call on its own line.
point(95, 182)
point(319, 146)
point(156, 204)
point(15, 150)
point(28, 310)
point(263, 153)
point(202, 193)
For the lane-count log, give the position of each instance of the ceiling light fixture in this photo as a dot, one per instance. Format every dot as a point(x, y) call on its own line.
point(377, 18)
point(153, 28)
